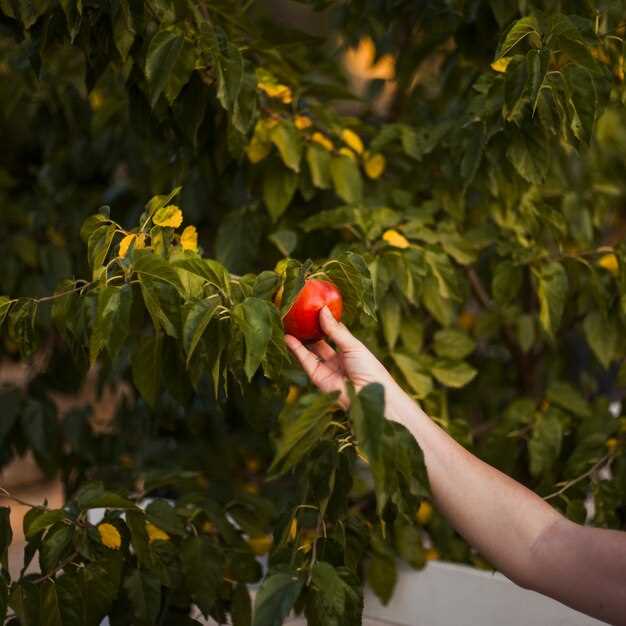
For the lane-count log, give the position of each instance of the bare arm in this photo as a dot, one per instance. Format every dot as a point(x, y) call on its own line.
point(523, 536)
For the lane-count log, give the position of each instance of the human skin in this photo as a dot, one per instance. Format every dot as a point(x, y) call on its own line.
point(522, 535)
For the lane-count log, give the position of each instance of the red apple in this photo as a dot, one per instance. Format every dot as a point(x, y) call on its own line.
point(302, 319)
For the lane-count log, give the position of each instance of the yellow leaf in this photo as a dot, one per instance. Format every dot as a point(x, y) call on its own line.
point(350, 138)
point(140, 242)
point(261, 545)
point(280, 92)
point(251, 488)
point(252, 464)
point(612, 444)
point(432, 554)
point(501, 64)
point(209, 528)
point(323, 141)
point(155, 533)
point(609, 262)
point(189, 239)
point(169, 216)
point(467, 319)
point(258, 149)
point(110, 536)
point(125, 244)
point(347, 152)
point(396, 239)
point(293, 529)
point(302, 121)
point(96, 99)
point(374, 165)
point(424, 513)
point(293, 394)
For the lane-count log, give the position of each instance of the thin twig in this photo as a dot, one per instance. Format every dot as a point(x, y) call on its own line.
point(10, 496)
point(58, 568)
point(574, 481)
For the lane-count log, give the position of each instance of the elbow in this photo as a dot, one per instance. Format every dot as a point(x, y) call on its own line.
point(532, 571)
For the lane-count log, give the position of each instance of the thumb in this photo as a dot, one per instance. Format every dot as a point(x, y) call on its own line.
point(338, 332)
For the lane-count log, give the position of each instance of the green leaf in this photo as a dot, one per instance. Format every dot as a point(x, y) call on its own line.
point(602, 336)
point(453, 344)
point(44, 520)
point(552, 287)
point(99, 244)
point(157, 268)
point(525, 29)
point(391, 316)
point(346, 178)
point(198, 317)
point(318, 161)
point(203, 571)
point(144, 592)
point(567, 396)
point(112, 320)
point(164, 50)
point(94, 496)
point(285, 240)
point(73, 10)
point(544, 446)
point(146, 367)
point(254, 318)
point(525, 332)
point(367, 415)
point(275, 599)
point(506, 282)
point(382, 576)
point(54, 545)
point(279, 186)
point(529, 154)
point(100, 585)
point(123, 28)
point(5, 305)
point(288, 140)
point(136, 522)
point(345, 216)
point(420, 382)
point(241, 606)
point(452, 374)
point(163, 515)
point(409, 543)
point(6, 536)
point(302, 426)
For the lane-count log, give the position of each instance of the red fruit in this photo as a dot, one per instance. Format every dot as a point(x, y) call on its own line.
point(302, 319)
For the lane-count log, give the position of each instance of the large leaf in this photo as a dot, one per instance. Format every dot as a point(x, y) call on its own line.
point(203, 571)
point(318, 161)
point(552, 286)
point(198, 316)
point(153, 266)
point(255, 318)
point(346, 179)
point(453, 374)
point(275, 599)
point(146, 367)
point(112, 320)
point(419, 380)
point(164, 51)
point(544, 446)
point(525, 29)
point(301, 428)
point(279, 186)
point(367, 414)
point(452, 343)
point(144, 592)
point(602, 336)
point(289, 143)
point(6, 536)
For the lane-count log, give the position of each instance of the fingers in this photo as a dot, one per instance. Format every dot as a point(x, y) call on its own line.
point(309, 361)
point(338, 332)
point(323, 350)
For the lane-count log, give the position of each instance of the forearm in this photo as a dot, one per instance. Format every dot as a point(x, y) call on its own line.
point(495, 514)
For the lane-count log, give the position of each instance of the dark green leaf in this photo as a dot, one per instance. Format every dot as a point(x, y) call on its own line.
point(346, 178)
point(602, 336)
point(254, 318)
point(144, 592)
point(289, 143)
point(275, 599)
point(279, 186)
point(146, 366)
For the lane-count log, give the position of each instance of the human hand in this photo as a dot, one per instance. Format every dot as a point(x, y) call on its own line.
point(330, 369)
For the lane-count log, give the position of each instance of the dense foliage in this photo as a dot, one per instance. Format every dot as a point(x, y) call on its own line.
point(470, 206)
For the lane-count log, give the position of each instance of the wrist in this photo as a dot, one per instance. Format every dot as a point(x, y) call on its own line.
point(400, 407)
